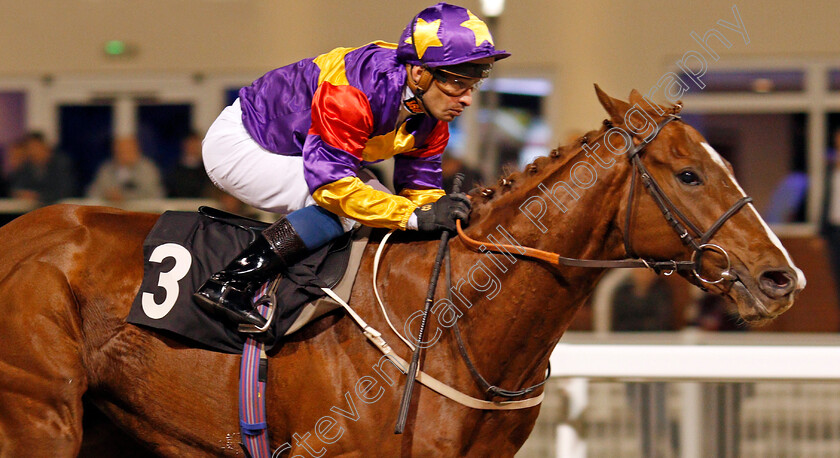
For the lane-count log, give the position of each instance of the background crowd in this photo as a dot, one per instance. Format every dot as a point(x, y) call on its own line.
point(37, 172)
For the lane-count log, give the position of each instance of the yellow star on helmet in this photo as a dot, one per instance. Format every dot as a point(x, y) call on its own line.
point(479, 28)
point(426, 34)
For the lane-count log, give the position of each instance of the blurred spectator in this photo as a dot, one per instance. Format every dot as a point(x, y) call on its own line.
point(643, 302)
point(127, 176)
point(188, 178)
point(830, 221)
point(788, 199)
point(41, 174)
point(450, 166)
point(15, 158)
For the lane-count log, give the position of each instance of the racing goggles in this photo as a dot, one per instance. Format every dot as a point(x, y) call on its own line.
point(455, 85)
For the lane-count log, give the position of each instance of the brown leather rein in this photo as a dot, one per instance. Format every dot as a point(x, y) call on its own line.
point(680, 223)
point(668, 209)
point(677, 219)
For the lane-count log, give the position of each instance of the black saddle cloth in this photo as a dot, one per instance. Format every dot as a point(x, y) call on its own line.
point(185, 248)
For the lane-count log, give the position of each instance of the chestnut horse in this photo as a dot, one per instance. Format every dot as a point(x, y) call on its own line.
point(69, 274)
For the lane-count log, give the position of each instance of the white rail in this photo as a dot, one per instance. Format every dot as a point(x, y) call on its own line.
point(696, 362)
point(638, 357)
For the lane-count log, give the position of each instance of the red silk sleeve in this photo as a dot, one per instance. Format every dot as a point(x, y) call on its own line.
point(342, 117)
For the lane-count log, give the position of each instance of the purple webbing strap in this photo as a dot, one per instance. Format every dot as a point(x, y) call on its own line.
point(252, 397)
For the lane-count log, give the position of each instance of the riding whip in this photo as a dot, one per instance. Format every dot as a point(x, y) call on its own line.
point(430, 298)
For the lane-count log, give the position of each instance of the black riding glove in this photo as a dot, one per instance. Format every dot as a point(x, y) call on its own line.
point(441, 215)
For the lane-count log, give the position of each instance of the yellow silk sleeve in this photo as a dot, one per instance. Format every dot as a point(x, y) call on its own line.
point(351, 198)
point(422, 196)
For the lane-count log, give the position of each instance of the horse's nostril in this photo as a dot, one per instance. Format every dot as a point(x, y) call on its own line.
point(779, 278)
point(776, 283)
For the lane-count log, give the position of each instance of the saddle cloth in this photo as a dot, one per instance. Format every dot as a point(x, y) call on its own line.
point(185, 248)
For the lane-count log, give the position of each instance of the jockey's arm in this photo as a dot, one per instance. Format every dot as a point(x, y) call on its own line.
point(332, 153)
point(351, 198)
point(417, 173)
point(422, 196)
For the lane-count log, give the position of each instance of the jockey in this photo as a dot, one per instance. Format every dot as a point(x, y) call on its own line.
point(296, 139)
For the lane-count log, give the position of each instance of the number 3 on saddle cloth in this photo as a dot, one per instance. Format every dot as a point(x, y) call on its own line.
point(185, 248)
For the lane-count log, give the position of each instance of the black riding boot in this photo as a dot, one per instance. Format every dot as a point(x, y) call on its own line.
point(231, 291)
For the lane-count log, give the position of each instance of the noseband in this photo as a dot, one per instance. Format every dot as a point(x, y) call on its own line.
point(682, 225)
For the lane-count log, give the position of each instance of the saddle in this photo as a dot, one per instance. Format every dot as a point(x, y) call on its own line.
point(184, 248)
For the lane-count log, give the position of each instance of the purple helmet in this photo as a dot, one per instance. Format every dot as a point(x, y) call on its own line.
point(444, 35)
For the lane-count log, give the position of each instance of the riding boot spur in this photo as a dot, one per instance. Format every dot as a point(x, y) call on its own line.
point(230, 292)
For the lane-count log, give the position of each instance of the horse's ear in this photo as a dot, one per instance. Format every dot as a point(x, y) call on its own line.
point(615, 108)
point(638, 100)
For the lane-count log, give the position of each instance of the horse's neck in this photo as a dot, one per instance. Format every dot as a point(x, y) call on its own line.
point(577, 221)
point(512, 333)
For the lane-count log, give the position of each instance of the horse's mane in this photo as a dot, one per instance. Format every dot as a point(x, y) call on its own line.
point(558, 157)
point(485, 197)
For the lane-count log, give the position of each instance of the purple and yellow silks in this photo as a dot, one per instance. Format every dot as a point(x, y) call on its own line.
point(339, 110)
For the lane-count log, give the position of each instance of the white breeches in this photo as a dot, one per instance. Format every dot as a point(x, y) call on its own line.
point(240, 167)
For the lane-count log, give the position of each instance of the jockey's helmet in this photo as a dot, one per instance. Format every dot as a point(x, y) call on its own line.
point(446, 35)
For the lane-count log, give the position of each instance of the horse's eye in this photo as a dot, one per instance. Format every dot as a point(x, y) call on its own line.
point(690, 178)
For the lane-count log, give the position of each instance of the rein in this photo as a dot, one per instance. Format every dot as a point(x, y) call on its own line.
point(680, 223)
point(485, 385)
point(375, 337)
point(668, 209)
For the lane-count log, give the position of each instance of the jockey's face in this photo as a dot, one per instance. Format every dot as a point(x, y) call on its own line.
point(440, 105)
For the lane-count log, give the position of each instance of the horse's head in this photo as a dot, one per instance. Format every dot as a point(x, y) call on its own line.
point(692, 209)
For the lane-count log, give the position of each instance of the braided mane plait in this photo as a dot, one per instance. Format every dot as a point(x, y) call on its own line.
point(557, 157)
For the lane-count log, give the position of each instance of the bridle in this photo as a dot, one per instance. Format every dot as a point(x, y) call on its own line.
point(682, 225)
point(678, 223)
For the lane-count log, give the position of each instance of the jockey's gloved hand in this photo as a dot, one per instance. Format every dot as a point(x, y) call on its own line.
point(441, 215)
